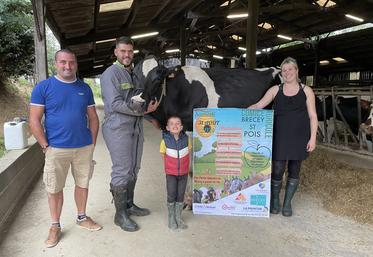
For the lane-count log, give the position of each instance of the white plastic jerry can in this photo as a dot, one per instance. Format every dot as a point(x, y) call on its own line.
point(15, 135)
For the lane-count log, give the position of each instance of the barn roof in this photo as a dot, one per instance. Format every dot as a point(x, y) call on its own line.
point(88, 26)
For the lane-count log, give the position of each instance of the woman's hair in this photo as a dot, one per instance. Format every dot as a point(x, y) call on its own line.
point(289, 60)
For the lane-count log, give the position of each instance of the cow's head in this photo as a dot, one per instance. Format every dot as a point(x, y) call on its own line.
point(367, 126)
point(148, 75)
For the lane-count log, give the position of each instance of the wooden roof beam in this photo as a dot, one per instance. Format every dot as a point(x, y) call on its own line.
point(91, 36)
point(134, 10)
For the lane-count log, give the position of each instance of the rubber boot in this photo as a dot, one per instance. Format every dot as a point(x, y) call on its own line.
point(291, 187)
point(178, 209)
point(133, 209)
point(171, 216)
point(275, 196)
point(121, 218)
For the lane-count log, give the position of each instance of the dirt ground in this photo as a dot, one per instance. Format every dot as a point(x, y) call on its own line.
point(13, 102)
point(344, 190)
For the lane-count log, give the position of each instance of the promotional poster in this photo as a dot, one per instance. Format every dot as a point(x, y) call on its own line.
point(232, 152)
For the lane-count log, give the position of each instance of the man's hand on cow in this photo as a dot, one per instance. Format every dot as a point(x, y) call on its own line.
point(153, 105)
point(311, 145)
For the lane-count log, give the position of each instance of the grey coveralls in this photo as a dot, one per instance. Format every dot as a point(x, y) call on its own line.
point(122, 127)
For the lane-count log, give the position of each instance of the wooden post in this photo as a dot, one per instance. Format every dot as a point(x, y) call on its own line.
point(41, 70)
point(251, 33)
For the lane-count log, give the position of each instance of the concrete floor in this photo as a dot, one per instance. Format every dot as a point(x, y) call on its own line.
point(312, 231)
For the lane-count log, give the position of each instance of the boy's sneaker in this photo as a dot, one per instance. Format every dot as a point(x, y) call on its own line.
point(88, 224)
point(53, 237)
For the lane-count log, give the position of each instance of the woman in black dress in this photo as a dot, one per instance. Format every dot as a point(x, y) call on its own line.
point(294, 132)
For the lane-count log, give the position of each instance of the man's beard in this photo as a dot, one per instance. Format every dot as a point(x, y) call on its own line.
point(127, 66)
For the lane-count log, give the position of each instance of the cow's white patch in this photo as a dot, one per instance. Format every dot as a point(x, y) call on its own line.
point(138, 98)
point(197, 74)
point(148, 65)
point(275, 71)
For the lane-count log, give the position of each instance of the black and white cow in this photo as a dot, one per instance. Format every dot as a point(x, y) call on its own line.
point(190, 87)
point(367, 125)
point(349, 109)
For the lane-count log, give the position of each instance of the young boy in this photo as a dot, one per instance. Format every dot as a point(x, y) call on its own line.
point(175, 148)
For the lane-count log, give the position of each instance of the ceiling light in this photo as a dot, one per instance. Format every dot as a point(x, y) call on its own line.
point(339, 59)
point(212, 26)
point(265, 25)
point(145, 35)
point(236, 37)
point(115, 6)
point(106, 40)
point(202, 60)
point(267, 49)
point(284, 37)
point(324, 62)
point(328, 3)
point(238, 15)
point(218, 57)
point(354, 18)
point(172, 50)
point(211, 47)
point(98, 66)
point(136, 51)
point(257, 53)
point(226, 3)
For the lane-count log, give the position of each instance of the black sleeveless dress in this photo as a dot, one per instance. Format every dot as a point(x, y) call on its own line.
point(291, 131)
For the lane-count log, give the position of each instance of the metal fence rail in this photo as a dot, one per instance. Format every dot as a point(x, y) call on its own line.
point(365, 93)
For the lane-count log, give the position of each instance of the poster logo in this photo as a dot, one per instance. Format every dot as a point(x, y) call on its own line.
point(228, 207)
point(240, 198)
point(206, 125)
point(258, 200)
point(262, 185)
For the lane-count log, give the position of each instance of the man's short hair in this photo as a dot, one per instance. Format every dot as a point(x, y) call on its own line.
point(124, 40)
point(65, 50)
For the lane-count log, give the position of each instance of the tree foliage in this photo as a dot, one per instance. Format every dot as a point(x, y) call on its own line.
point(52, 47)
point(16, 38)
point(197, 144)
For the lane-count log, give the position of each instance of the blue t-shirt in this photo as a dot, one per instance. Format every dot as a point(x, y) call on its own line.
point(65, 104)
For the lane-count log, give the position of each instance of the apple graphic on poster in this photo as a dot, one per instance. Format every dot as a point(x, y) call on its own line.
point(258, 155)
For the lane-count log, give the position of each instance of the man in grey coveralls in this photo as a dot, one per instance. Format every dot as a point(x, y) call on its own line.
point(123, 132)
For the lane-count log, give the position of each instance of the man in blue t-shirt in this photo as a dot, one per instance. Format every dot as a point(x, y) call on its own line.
point(71, 126)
